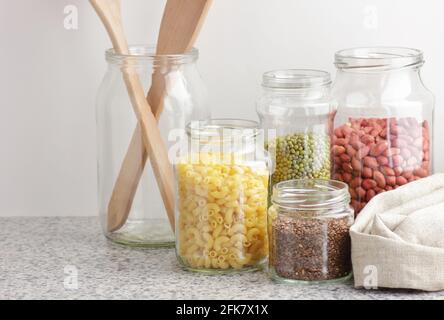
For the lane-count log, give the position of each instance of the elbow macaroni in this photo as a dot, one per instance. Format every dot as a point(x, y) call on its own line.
point(222, 214)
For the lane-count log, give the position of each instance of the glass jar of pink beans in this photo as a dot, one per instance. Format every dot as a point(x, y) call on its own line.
point(383, 128)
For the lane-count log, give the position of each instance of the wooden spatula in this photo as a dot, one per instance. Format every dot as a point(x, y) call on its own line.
point(180, 26)
point(110, 14)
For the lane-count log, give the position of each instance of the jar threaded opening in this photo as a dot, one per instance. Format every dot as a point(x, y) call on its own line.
point(219, 128)
point(296, 79)
point(311, 194)
point(378, 58)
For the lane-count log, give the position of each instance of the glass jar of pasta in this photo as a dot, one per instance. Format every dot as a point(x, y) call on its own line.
point(308, 227)
point(383, 128)
point(221, 223)
point(296, 112)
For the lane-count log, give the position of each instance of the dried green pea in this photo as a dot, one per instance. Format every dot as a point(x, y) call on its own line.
point(301, 156)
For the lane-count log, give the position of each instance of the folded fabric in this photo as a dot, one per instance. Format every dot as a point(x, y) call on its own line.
point(398, 238)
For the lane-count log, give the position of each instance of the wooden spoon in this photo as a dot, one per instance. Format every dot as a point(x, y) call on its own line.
point(109, 13)
point(180, 26)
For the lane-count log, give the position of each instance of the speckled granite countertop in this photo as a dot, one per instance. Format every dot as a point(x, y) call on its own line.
point(39, 258)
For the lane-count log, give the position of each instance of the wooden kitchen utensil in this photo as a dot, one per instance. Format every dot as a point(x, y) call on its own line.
point(180, 26)
point(110, 14)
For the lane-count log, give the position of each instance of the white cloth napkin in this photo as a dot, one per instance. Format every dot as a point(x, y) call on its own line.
point(398, 238)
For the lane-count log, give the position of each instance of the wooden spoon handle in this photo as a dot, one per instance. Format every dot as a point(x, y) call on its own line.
point(109, 13)
point(125, 187)
point(180, 26)
point(154, 144)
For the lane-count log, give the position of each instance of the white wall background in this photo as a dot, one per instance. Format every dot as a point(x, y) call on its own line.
point(49, 76)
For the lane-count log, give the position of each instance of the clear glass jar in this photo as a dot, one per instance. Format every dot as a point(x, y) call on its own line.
point(221, 223)
point(383, 127)
point(308, 228)
point(183, 100)
point(296, 112)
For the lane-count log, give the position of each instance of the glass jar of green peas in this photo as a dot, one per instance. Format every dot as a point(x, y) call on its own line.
point(297, 113)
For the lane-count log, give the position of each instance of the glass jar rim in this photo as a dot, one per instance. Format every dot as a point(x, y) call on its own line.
point(378, 58)
point(147, 53)
point(222, 127)
point(296, 79)
point(311, 194)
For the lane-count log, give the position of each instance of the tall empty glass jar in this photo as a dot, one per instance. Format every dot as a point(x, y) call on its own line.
point(181, 99)
point(383, 127)
point(221, 223)
point(296, 112)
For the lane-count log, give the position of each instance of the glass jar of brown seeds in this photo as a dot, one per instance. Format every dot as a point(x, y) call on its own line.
point(308, 226)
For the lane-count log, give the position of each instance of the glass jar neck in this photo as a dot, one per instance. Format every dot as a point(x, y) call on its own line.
point(390, 86)
point(145, 55)
point(304, 83)
point(396, 82)
point(311, 93)
point(406, 72)
point(224, 136)
point(317, 197)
